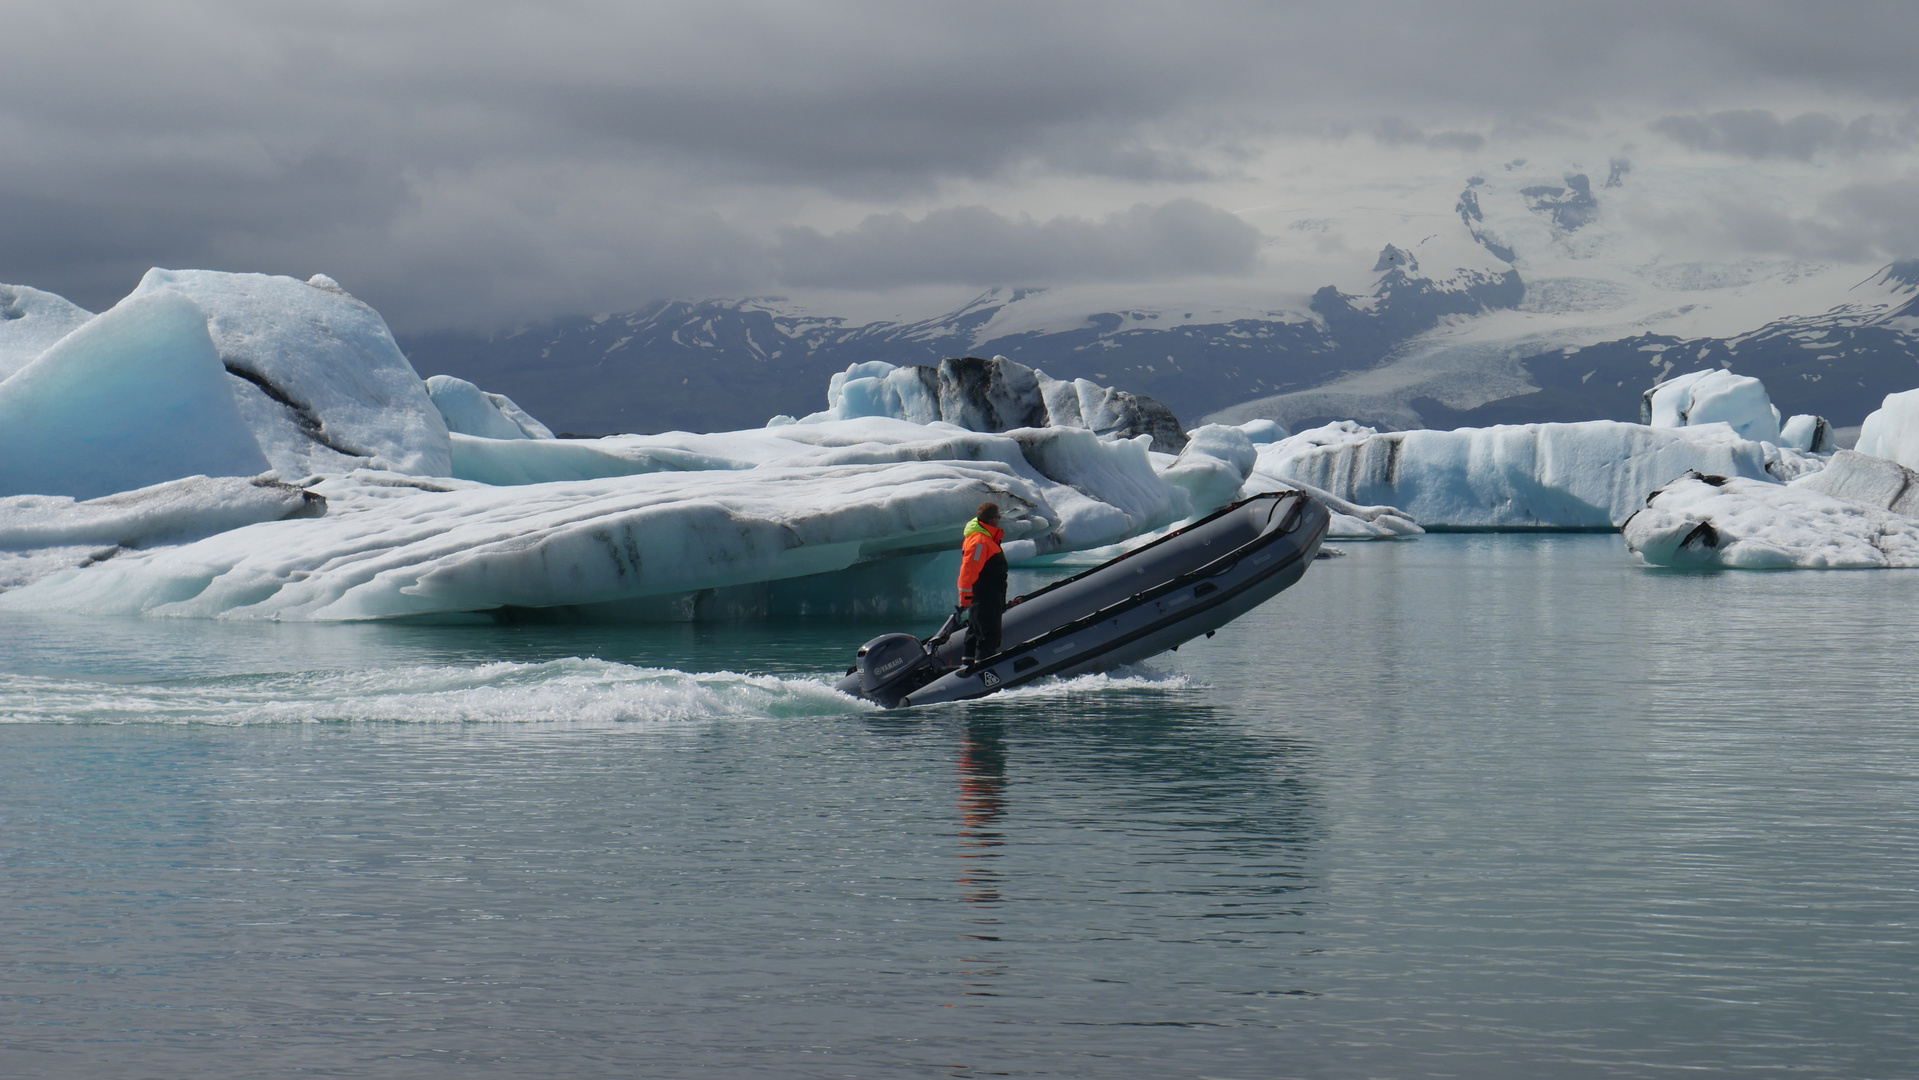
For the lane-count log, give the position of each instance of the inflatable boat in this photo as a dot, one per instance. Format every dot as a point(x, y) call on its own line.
point(1154, 598)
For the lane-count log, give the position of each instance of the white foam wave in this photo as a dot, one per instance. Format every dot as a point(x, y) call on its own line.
point(1135, 677)
point(571, 692)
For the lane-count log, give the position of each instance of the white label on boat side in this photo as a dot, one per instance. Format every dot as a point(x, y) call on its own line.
point(991, 678)
point(1062, 646)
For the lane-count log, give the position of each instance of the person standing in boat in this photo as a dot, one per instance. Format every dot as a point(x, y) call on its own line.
point(982, 582)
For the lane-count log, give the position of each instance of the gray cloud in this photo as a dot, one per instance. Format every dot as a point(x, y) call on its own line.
point(479, 161)
point(1758, 133)
point(1864, 222)
point(1393, 131)
point(974, 245)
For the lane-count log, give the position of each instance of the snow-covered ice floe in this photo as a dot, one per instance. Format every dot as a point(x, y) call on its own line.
point(42, 534)
point(1706, 521)
point(1591, 475)
point(393, 545)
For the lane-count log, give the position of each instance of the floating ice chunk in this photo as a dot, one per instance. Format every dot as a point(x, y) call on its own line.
point(469, 410)
point(1350, 521)
point(1892, 430)
point(30, 322)
point(1715, 396)
point(993, 396)
point(315, 373)
point(1213, 467)
point(1590, 475)
point(134, 397)
point(393, 545)
point(1264, 431)
point(1716, 521)
point(40, 534)
point(1862, 478)
point(1808, 433)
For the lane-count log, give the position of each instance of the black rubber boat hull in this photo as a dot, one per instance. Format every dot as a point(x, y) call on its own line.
point(1152, 599)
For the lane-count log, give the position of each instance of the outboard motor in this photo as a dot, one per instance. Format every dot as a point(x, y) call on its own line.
point(892, 666)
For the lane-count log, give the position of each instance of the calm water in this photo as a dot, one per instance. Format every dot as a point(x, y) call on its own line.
point(1470, 806)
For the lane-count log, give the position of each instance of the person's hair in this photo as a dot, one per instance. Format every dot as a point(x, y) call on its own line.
point(988, 512)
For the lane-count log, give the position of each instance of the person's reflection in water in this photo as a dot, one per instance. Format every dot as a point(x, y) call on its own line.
point(982, 802)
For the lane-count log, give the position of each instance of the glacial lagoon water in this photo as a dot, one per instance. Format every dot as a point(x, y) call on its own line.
point(1472, 806)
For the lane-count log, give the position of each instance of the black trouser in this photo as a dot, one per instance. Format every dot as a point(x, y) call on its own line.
point(982, 627)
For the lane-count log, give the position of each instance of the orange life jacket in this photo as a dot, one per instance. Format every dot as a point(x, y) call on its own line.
point(980, 544)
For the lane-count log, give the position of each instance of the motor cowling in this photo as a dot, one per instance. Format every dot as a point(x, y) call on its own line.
point(892, 666)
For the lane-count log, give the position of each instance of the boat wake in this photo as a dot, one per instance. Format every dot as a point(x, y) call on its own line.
point(569, 692)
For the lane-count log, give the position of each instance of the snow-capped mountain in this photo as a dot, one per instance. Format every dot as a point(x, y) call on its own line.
point(1524, 294)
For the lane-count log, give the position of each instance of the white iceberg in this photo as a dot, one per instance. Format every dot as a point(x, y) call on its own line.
point(469, 410)
point(1214, 466)
point(133, 397)
point(30, 322)
point(1892, 430)
point(992, 396)
point(1703, 521)
point(1591, 475)
point(1717, 396)
point(315, 373)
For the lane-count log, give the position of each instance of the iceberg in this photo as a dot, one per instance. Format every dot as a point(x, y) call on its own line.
point(1717, 396)
point(992, 396)
point(135, 396)
point(469, 410)
point(1591, 475)
point(1707, 521)
point(1214, 466)
point(315, 373)
point(30, 322)
point(1892, 430)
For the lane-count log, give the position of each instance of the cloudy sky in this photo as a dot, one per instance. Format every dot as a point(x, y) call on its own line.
point(470, 164)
